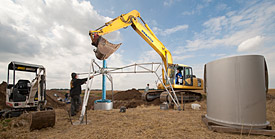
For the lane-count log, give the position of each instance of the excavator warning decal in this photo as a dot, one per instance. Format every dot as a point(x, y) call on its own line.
point(147, 36)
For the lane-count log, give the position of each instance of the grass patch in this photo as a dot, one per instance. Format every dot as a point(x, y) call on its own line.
point(5, 122)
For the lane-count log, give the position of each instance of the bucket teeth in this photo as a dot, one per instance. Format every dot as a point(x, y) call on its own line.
point(104, 48)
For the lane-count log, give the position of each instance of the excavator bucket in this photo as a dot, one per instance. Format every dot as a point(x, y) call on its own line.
point(42, 119)
point(104, 48)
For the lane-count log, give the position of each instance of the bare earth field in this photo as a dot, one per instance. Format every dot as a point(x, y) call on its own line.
point(141, 120)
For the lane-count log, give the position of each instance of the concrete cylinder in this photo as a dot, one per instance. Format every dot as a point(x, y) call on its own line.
point(236, 91)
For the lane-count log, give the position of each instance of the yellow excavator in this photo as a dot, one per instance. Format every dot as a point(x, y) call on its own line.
point(181, 76)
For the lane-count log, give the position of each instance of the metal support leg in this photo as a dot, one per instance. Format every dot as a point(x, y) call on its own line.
point(167, 91)
point(86, 95)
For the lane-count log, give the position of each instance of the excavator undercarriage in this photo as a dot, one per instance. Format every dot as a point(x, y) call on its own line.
point(188, 96)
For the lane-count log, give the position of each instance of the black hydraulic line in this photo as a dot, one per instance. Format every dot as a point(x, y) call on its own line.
point(142, 20)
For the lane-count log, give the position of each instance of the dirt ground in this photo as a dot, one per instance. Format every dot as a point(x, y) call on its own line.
point(141, 120)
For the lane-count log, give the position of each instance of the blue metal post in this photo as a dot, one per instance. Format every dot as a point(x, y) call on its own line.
point(103, 97)
point(104, 82)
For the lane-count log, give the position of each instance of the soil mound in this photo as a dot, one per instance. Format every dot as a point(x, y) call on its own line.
point(128, 104)
point(52, 98)
point(91, 101)
point(131, 99)
point(128, 95)
point(3, 87)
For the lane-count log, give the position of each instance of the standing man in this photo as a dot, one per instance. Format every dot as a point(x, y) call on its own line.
point(147, 88)
point(144, 94)
point(75, 93)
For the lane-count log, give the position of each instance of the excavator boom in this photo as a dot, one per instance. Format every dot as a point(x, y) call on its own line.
point(125, 20)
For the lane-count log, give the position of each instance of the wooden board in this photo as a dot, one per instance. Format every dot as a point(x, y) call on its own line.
point(244, 131)
point(42, 119)
point(225, 129)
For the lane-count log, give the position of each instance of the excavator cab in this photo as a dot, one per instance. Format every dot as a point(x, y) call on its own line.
point(181, 76)
point(183, 82)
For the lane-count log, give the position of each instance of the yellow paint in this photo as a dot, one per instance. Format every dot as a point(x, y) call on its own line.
point(21, 68)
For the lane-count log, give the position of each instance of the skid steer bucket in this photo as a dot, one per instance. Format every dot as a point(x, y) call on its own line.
point(104, 48)
point(42, 119)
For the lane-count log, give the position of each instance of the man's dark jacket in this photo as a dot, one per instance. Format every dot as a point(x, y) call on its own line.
point(76, 86)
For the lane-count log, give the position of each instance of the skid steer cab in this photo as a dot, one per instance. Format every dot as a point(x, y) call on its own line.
point(24, 93)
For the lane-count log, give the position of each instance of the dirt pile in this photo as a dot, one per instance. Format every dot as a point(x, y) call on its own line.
point(3, 87)
point(91, 101)
point(128, 95)
point(52, 98)
point(131, 99)
point(154, 102)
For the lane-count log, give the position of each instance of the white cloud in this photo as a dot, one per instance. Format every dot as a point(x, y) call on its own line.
point(188, 13)
point(207, 1)
point(175, 29)
point(197, 9)
point(251, 44)
point(200, 6)
point(221, 7)
point(149, 56)
point(182, 58)
point(218, 55)
point(169, 30)
point(153, 22)
point(51, 33)
point(168, 2)
point(215, 24)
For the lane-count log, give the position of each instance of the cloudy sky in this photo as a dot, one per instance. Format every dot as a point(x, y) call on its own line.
point(54, 33)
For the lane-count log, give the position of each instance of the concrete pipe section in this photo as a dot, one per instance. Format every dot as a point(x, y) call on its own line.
point(236, 91)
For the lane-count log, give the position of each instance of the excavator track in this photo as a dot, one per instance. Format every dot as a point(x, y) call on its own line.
point(188, 96)
point(151, 95)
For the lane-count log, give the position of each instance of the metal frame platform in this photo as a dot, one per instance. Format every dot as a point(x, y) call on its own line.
point(96, 69)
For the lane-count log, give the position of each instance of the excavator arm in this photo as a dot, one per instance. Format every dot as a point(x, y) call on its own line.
point(125, 20)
